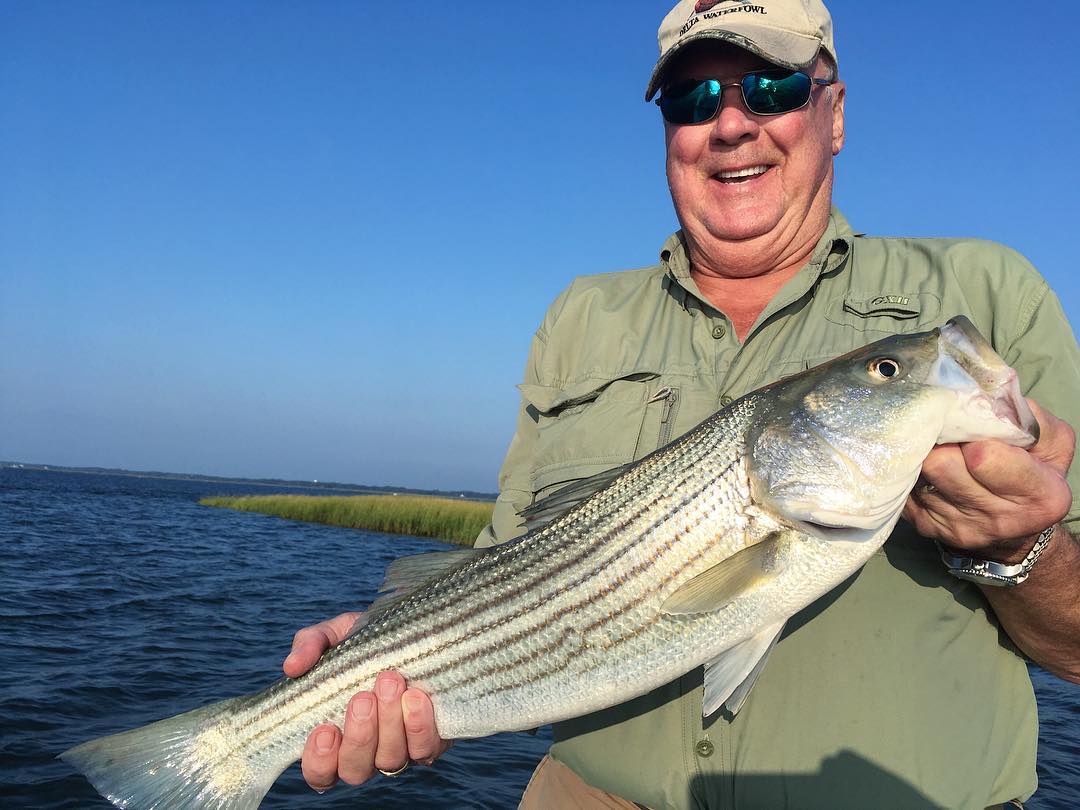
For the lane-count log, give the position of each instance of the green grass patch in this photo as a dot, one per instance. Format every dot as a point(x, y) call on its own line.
point(455, 521)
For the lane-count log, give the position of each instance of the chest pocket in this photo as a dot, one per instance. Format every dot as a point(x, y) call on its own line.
point(588, 427)
point(885, 313)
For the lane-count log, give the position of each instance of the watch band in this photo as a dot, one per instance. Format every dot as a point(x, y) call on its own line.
point(988, 572)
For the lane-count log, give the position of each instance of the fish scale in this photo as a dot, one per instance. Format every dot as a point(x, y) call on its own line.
point(697, 554)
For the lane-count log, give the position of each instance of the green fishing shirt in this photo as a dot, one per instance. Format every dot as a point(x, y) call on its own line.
point(896, 689)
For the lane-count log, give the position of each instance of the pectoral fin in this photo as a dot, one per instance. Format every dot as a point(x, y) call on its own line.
point(719, 585)
point(730, 676)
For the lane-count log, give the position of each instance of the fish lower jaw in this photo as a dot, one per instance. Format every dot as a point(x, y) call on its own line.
point(978, 416)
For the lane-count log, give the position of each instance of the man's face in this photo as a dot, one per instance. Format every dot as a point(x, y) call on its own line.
point(790, 155)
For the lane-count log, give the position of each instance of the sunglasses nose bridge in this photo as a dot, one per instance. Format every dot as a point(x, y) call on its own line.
point(733, 120)
point(723, 103)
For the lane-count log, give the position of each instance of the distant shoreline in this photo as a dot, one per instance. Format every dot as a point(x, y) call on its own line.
point(258, 482)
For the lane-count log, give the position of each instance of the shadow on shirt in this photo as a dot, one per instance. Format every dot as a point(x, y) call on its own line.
point(845, 780)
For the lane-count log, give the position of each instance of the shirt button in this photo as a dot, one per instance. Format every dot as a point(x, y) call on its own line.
point(704, 748)
point(725, 400)
point(719, 331)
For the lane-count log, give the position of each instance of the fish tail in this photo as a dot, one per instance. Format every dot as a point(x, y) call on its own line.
point(193, 760)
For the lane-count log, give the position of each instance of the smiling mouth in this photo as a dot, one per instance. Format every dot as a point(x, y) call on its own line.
point(741, 175)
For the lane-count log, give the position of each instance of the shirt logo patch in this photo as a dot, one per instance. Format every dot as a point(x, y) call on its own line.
point(890, 299)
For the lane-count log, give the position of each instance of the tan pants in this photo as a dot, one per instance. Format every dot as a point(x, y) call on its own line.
point(553, 786)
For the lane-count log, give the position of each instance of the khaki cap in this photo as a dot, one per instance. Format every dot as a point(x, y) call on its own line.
point(788, 33)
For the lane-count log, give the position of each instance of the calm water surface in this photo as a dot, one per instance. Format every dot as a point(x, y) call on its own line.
point(122, 601)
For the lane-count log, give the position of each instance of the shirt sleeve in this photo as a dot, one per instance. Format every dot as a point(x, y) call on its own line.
point(515, 477)
point(515, 490)
point(1046, 356)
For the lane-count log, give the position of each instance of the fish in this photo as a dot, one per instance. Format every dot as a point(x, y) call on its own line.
point(695, 555)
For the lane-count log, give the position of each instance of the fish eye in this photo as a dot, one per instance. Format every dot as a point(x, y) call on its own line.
point(884, 368)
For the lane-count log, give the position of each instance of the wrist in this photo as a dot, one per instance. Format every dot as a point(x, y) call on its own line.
point(1011, 551)
point(1009, 572)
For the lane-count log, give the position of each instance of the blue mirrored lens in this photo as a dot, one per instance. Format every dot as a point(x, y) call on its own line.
point(691, 102)
point(771, 92)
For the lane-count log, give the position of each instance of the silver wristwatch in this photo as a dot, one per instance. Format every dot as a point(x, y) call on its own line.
point(988, 572)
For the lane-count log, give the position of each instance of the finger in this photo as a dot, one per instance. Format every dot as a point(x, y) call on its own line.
point(356, 759)
point(980, 478)
point(310, 643)
point(919, 512)
point(1026, 493)
point(339, 627)
point(945, 470)
point(392, 751)
point(1001, 469)
point(981, 494)
point(1057, 439)
point(423, 739)
point(319, 762)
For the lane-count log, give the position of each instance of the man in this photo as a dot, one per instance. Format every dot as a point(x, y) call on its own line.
point(898, 688)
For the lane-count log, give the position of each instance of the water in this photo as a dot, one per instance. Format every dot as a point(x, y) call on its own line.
point(123, 601)
point(118, 596)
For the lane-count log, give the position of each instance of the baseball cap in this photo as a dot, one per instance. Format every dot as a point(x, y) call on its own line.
point(788, 33)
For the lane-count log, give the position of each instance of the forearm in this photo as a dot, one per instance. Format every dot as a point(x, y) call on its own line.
point(1042, 614)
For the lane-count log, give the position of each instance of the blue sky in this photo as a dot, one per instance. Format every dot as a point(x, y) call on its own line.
point(313, 239)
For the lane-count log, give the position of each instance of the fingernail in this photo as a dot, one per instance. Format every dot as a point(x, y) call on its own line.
point(413, 702)
point(386, 688)
point(361, 708)
point(324, 742)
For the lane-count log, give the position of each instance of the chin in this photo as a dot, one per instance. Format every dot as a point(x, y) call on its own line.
point(744, 225)
point(742, 218)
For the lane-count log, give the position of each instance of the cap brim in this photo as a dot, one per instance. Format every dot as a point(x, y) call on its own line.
point(784, 48)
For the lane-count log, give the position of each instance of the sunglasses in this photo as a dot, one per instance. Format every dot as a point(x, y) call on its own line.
point(764, 92)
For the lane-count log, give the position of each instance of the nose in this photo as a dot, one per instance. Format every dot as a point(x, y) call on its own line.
point(734, 123)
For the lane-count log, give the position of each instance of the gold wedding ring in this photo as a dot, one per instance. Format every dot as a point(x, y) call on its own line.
point(398, 772)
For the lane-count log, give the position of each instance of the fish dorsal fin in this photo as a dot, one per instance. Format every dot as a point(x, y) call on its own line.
point(406, 574)
point(719, 585)
point(730, 676)
point(563, 500)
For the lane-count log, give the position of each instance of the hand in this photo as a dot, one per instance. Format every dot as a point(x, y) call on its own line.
point(991, 499)
point(386, 728)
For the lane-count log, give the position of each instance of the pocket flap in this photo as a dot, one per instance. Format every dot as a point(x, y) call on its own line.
point(897, 305)
point(548, 398)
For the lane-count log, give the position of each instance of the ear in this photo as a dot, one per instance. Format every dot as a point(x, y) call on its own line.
point(838, 94)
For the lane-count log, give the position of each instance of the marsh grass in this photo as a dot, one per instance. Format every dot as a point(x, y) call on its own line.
point(455, 521)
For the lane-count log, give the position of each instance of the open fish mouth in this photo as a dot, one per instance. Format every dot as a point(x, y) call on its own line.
point(997, 382)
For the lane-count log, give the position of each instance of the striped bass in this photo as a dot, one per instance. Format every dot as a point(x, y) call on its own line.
point(696, 554)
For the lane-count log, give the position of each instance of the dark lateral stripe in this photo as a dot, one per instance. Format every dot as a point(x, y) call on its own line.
point(450, 619)
point(443, 668)
point(504, 567)
point(644, 593)
point(511, 562)
point(547, 619)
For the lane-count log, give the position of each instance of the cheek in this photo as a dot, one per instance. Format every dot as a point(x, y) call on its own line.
point(684, 145)
point(684, 154)
point(807, 142)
